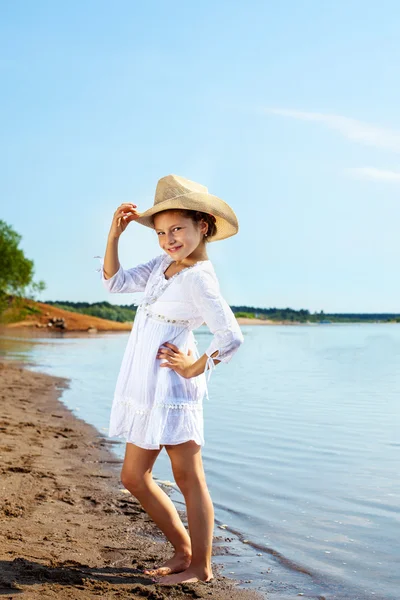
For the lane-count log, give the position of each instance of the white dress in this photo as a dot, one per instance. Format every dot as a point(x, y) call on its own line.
point(154, 406)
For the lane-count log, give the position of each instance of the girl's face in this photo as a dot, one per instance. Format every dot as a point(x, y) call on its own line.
point(179, 236)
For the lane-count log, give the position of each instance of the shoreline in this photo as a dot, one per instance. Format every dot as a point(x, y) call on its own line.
point(68, 527)
point(47, 318)
point(47, 314)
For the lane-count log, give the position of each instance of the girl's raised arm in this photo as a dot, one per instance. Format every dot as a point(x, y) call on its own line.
point(114, 277)
point(124, 214)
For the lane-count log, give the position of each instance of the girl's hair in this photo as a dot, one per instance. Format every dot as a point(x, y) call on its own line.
point(196, 216)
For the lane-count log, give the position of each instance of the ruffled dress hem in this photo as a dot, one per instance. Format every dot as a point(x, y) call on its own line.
point(125, 437)
point(165, 423)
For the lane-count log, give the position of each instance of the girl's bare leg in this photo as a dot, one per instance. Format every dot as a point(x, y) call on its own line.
point(189, 475)
point(136, 476)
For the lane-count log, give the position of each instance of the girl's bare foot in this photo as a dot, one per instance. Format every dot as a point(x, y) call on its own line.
point(188, 576)
point(179, 562)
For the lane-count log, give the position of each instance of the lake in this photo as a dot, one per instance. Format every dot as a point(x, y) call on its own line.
point(302, 450)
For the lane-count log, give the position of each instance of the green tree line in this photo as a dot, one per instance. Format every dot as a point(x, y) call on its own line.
point(104, 310)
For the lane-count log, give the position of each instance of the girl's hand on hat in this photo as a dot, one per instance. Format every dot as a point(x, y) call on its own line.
point(124, 214)
point(177, 360)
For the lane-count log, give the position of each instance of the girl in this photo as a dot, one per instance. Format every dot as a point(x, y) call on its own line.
point(161, 384)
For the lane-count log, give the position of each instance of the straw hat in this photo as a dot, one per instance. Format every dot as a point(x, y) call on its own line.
point(174, 191)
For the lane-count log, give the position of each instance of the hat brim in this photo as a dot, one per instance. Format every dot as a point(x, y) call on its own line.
point(225, 218)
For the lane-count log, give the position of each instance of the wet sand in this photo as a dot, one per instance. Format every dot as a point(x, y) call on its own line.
point(68, 527)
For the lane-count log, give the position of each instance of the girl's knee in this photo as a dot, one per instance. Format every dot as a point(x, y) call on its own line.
point(134, 482)
point(187, 480)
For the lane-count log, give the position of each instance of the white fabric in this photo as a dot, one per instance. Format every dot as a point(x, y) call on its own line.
point(154, 406)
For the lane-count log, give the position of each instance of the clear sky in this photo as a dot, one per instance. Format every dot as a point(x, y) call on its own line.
point(288, 111)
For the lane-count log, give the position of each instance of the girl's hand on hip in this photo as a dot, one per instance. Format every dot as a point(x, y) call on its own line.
point(177, 360)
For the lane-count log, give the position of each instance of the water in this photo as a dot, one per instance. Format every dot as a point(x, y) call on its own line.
point(302, 450)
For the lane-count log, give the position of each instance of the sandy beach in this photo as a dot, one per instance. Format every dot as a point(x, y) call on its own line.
point(68, 527)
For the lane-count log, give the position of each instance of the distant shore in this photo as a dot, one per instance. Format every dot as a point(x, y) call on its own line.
point(85, 323)
point(53, 319)
point(68, 527)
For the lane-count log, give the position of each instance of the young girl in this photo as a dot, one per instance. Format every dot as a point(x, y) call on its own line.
point(161, 383)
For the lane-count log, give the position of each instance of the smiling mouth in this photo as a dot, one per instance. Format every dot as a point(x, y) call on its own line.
point(174, 249)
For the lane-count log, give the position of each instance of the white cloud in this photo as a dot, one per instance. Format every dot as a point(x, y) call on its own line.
point(375, 174)
point(352, 129)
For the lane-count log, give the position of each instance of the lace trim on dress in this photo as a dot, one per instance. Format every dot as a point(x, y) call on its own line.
point(210, 366)
point(163, 318)
point(161, 284)
point(183, 406)
point(101, 262)
point(175, 406)
point(171, 260)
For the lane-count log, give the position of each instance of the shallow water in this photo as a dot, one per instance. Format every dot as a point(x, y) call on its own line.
point(302, 449)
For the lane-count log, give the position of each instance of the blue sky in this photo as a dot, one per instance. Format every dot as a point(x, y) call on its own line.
point(287, 111)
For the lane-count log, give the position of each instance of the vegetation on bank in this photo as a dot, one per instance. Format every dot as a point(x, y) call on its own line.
point(122, 313)
point(103, 310)
point(16, 277)
point(304, 316)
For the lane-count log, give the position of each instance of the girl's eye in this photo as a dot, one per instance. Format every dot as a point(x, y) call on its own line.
point(160, 232)
point(174, 228)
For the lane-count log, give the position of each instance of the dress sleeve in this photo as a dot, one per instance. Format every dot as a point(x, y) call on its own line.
point(128, 280)
point(218, 316)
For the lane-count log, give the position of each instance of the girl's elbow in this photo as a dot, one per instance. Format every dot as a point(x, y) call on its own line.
point(236, 342)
